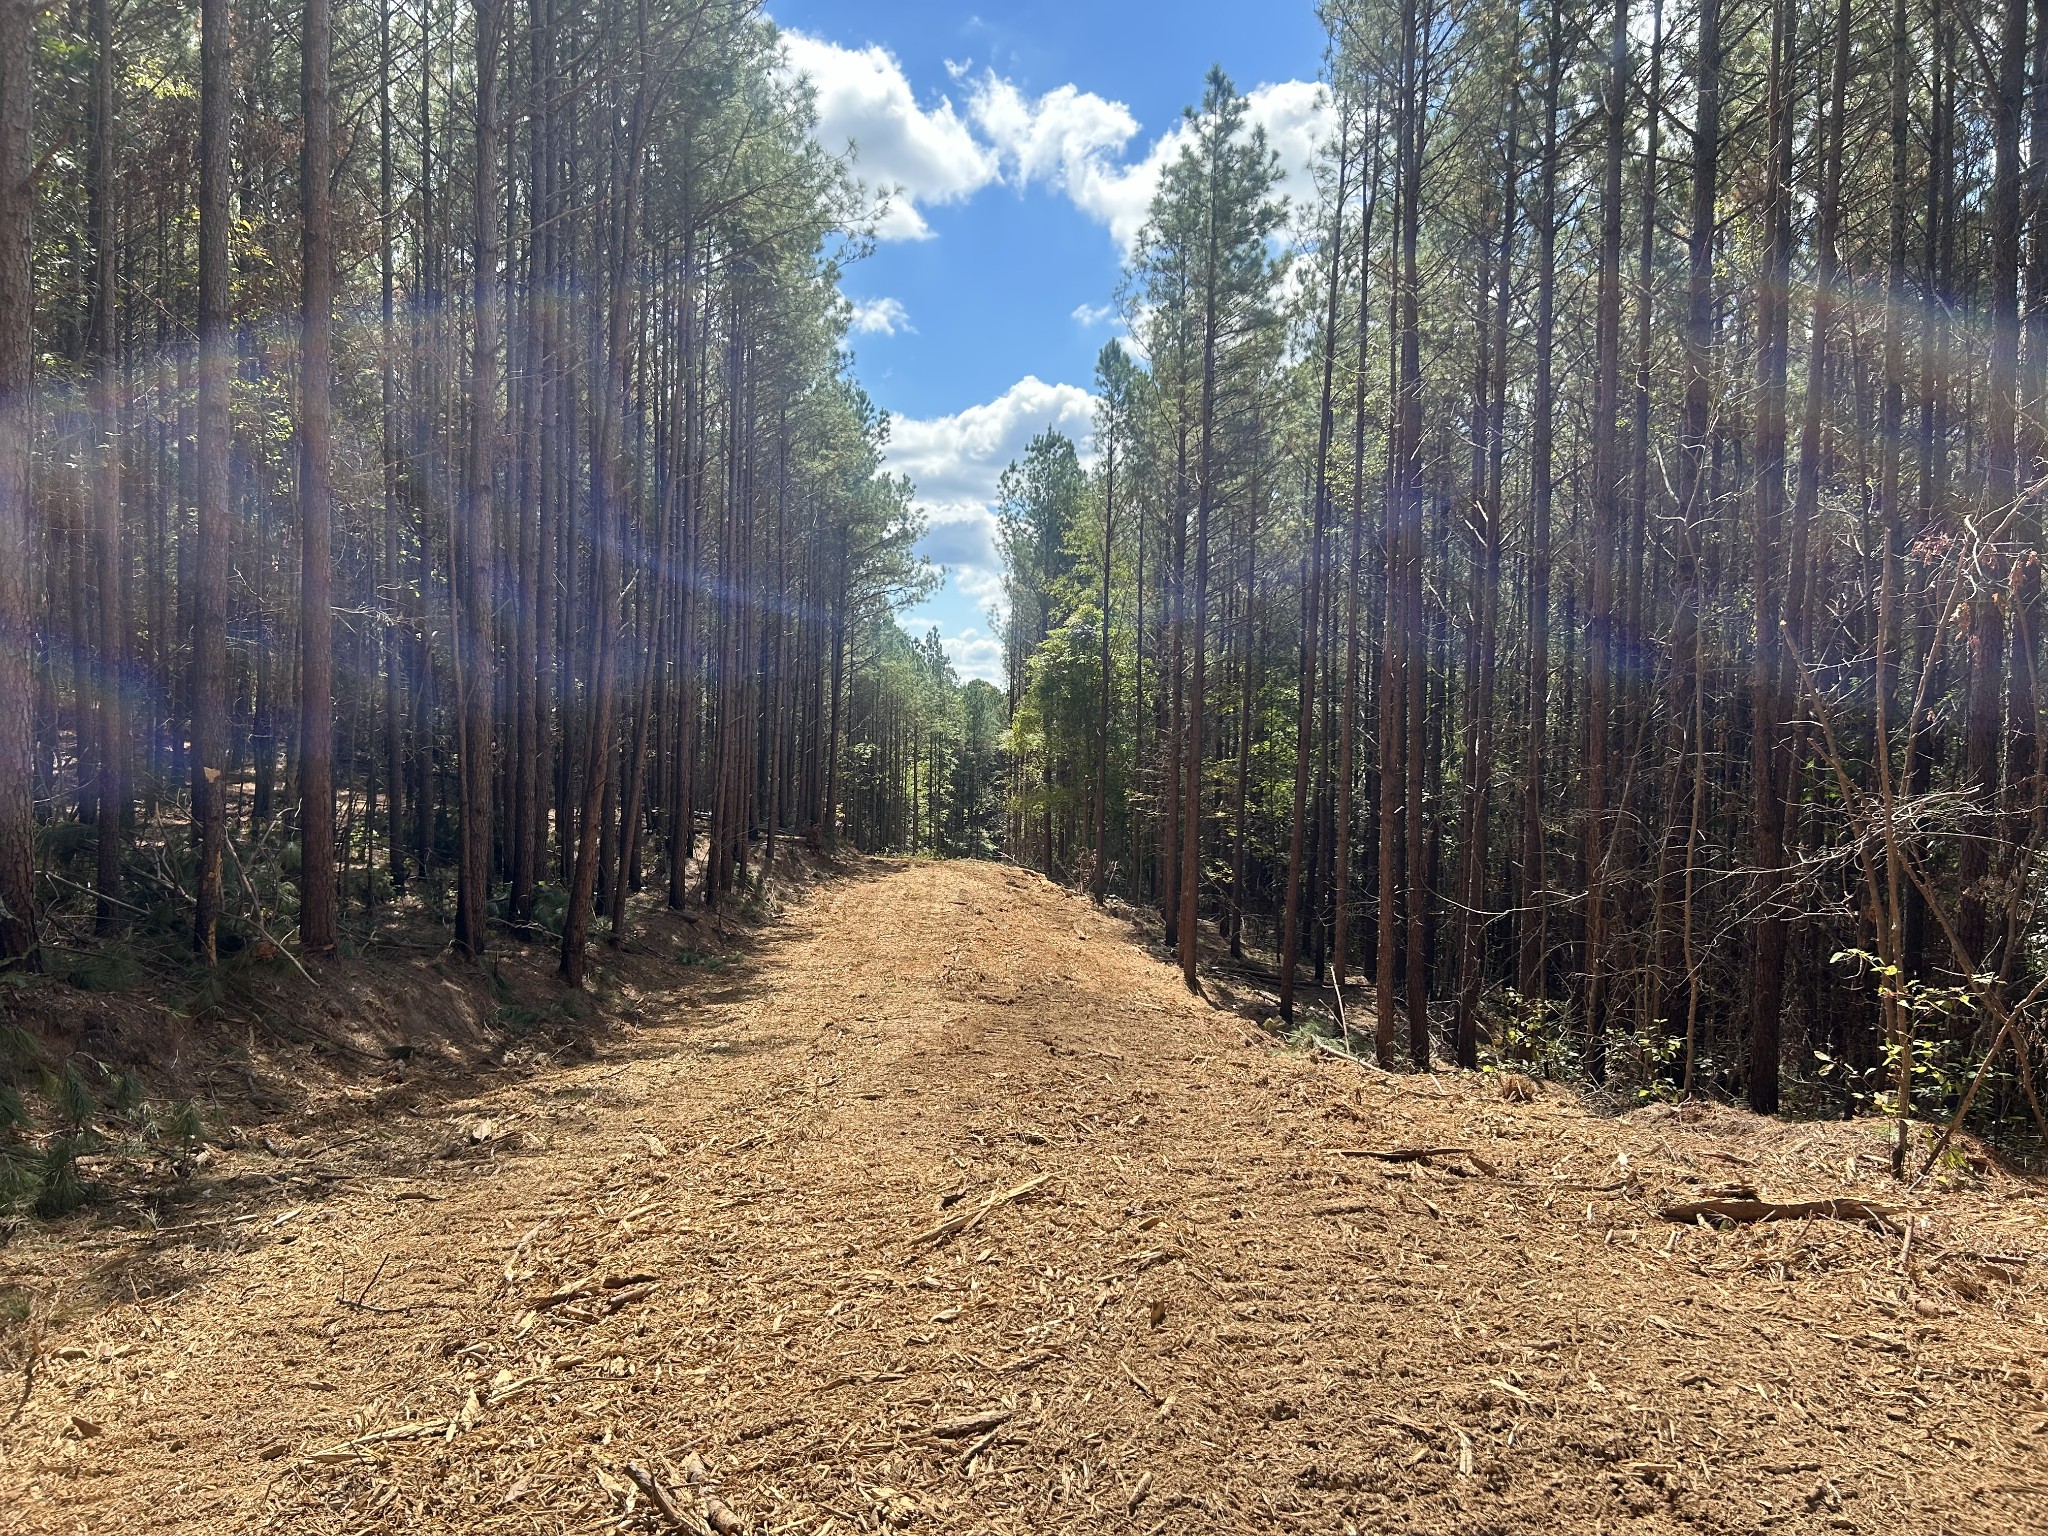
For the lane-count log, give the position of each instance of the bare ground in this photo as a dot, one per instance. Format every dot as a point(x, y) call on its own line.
point(767, 1229)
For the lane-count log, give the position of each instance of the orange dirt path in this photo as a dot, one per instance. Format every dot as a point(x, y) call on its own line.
point(1195, 1315)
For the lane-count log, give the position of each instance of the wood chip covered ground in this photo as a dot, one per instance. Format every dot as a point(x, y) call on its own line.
point(952, 1211)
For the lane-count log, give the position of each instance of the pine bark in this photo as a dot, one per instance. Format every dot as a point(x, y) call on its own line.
point(113, 798)
point(317, 902)
point(210, 430)
point(19, 941)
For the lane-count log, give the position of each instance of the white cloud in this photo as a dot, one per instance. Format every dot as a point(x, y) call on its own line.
point(1071, 141)
point(957, 460)
point(1299, 121)
point(909, 156)
point(1075, 142)
point(1088, 316)
point(879, 317)
point(985, 587)
point(974, 654)
point(960, 538)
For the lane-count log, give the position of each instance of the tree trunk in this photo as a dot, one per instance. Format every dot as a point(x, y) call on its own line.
point(18, 938)
point(210, 552)
point(1767, 706)
point(1311, 608)
point(1535, 894)
point(317, 914)
point(474, 552)
point(113, 795)
point(1607, 492)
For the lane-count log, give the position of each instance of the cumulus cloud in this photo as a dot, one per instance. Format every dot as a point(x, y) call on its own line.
point(956, 461)
point(985, 587)
point(1072, 141)
point(966, 537)
point(879, 317)
point(974, 654)
point(913, 156)
point(909, 156)
point(1077, 143)
point(1088, 316)
point(1299, 122)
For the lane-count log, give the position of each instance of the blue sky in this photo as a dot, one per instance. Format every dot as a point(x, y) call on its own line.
point(1015, 148)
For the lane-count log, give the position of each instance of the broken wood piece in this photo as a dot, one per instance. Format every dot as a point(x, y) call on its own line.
point(1743, 1210)
point(974, 1424)
point(574, 1292)
point(974, 1450)
point(1419, 1155)
point(355, 1449)
point(663, 1500)
point(1138, 1493)
point(590, 1286)
point(1343, 1208)
point(717, 1513)
point(954, 1225)
point(608, 1301)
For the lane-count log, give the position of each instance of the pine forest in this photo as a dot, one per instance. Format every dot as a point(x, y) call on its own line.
point(1533, 620)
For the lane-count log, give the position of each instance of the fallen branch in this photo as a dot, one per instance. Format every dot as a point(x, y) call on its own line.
point(589, 1286)
point(953, 1226)
point(663, 1500)
point(716, 1518)
point(1419, 1155)
point(717, 1514)
point(357, 1449)
point(979, 1446)
point(1784, 1210)
point(608, 1301)
point(974, 1424)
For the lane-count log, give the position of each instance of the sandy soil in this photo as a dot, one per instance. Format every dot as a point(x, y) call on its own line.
point(763, 1242)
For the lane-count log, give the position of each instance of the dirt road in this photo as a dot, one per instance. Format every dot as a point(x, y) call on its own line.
point(951, 1211)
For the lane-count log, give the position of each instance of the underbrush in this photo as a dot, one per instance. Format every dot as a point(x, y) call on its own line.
point(61, 1117)
point(109, 1052)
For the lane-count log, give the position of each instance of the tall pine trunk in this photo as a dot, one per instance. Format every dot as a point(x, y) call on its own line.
point(210, 490)
point(18, 937)
point(317, 905)
point(1767, 706)
point(474, 542)
point(113, 792)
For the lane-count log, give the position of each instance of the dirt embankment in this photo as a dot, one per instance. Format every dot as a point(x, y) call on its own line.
point(950, 1210)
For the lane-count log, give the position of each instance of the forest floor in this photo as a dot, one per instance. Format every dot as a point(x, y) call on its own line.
point(945, 1207)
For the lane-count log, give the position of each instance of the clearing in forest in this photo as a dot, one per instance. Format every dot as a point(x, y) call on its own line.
point(950, 1210)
